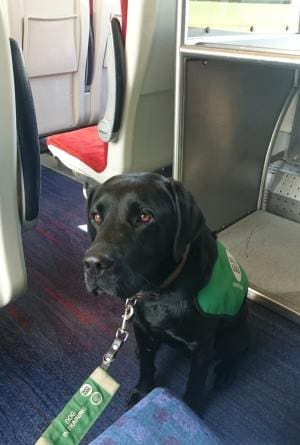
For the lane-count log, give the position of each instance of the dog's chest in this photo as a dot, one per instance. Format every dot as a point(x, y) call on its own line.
point(168, 323)
point(160, 312)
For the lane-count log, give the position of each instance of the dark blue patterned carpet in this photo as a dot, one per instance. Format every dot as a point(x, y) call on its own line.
point(53, 338)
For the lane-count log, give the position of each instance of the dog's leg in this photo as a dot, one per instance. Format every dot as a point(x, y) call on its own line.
point(147, 348)
point(231, 345)
point(194, 395)
point(225, 371)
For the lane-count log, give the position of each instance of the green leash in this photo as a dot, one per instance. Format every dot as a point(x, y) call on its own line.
point(96, 392)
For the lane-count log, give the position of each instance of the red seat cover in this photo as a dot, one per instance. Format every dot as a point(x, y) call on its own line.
point(124, 10)
point(85, 144)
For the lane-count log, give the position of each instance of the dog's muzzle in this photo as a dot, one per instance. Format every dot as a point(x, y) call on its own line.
point(95, 266)
point(99, 273)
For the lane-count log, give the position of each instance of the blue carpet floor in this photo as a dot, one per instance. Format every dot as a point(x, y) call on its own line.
point(55, 335)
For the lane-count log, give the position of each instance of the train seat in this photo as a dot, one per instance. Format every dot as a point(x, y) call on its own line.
point(83, 146)
point(140, 112)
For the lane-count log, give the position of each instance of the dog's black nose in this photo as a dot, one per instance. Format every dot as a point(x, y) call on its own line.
point(96, 264)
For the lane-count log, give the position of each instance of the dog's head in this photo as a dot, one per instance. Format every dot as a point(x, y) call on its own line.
point(140, 225)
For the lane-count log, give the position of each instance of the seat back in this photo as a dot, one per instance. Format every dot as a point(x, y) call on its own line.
point(53, 35)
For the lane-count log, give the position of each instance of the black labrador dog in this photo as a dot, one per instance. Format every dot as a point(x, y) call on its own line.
point(149, 236)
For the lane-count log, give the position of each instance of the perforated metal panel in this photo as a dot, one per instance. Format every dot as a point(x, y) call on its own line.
point(284, 192)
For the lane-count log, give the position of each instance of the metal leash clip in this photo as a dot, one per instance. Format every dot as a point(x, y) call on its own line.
point(121, 334)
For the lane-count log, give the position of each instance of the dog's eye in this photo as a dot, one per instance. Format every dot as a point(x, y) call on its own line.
point(145, 218)
point(96, 217)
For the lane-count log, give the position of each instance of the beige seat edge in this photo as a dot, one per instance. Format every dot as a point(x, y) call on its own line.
point(12, 266)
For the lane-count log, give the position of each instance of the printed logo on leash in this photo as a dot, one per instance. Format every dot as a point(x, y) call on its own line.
point(80, 413)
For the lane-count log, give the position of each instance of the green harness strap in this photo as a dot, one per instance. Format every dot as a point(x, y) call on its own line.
point(227, 288)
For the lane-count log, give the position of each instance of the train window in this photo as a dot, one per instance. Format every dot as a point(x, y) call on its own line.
point(255, 23)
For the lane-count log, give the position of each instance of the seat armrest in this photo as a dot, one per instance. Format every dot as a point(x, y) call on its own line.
point(28, 141)
point(109, 126)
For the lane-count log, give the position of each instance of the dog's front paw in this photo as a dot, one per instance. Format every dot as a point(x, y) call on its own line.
point(196, 404)
point(226, 370)
point(136, 395)
point(224, 376)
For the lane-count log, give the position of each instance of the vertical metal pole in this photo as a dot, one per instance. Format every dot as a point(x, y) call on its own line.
point(181, 36)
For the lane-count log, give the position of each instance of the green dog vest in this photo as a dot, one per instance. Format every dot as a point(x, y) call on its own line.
point(225, 292)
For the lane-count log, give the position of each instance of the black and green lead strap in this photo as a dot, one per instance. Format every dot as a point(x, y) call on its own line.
point(96, 392)
point(81, 412)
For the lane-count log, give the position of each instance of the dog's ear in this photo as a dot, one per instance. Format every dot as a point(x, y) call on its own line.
point(190, 219)
point(89, 194)
point(88, 190)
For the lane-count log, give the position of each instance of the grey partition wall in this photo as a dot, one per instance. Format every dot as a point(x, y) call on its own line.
point(229, 114)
